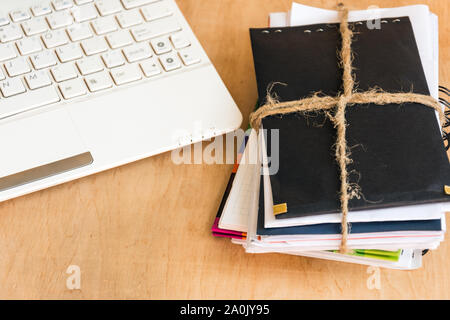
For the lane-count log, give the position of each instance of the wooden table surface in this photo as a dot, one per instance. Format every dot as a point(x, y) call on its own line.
point(143, 230)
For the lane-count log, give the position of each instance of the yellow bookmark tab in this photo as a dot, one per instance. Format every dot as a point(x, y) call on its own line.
point(447, 190)
point(280, 208)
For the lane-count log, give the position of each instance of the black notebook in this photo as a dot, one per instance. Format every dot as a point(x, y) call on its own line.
point(397, 150)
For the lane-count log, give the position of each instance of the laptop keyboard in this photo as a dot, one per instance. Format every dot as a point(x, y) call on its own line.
point(72, 48)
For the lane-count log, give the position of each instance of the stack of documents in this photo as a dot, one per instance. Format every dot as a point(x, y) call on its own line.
point(286, 198)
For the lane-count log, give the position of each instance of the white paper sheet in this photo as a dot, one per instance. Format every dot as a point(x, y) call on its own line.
point(409, 258)
point(235, 212)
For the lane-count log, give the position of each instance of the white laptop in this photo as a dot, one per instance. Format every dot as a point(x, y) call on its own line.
point(87, 85)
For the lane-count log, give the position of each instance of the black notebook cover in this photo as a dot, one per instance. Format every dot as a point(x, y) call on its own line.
point(397, 150)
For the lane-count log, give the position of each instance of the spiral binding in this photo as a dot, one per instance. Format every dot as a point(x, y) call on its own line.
point(445, 135)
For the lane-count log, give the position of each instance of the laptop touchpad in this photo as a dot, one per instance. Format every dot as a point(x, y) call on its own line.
point(39, 147)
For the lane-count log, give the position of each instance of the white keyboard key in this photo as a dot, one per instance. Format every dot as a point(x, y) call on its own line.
point(62, 4)
point(94, 46)
point(81, 2)
point(119, 39)
point(34, 26)
point(41, 9)
point(72, 88)
point(170, 61)
point(7, 51)
point(37, 79)
point(179, 41)
point(126, 74)
point(17, 66)
point(156, 11)
point(130, 4)
point(10, 32)
point(89, 65)
point(4, 20)
point(155, 29)
point(98, 81)
point(84, 13)
point(161, 45)
point(59, 19)
point(64, 72)
point(29, 45)
point(189, 57)
point(12, 87)
point(106, 7)
point(71, 51)
point(113, 59)
point(79, 32)
point(150, 67)
point(27, 101)
point(104, 25)
point(19, 15)
point(43, 60)
point(55, 38)
point(2, 75)
point(129, 18)
point(138, 51)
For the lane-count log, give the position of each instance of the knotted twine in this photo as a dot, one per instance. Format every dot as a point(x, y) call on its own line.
point(348, 97)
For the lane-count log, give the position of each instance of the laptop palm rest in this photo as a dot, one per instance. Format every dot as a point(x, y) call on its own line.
point(38, 147)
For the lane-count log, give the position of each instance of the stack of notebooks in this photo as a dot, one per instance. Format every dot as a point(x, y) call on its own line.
point(287, 200)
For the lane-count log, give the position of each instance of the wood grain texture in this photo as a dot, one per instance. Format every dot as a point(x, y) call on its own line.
point(143, 230)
